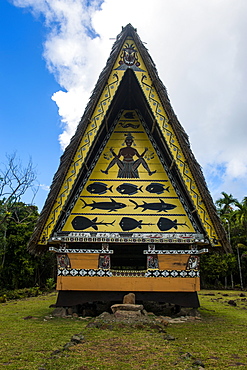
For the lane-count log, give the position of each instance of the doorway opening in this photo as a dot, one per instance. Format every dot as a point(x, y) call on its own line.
point(128, 257)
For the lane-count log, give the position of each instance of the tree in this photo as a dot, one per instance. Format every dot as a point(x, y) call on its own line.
point(240, 238)
point(224, 205)
point(234, 217)
point(214, 268)
point(21, 269)
point(18, 268)
point(240, 214)
point(15, 181)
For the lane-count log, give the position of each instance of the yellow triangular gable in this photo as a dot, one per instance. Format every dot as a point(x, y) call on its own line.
point(122, 64)
point(128, 193)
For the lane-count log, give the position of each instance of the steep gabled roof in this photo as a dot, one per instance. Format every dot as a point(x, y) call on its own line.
point(108, 97)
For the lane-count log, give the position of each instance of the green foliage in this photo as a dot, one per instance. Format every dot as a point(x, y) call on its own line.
point(19, 269)
point(241, 246)
point(7, 295)
point(34, 291)
point(225, 204)
point(214, 267)
point(50, 284)
point(233, 215)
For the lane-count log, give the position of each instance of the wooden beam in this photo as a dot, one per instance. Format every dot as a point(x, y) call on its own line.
point(153, 126)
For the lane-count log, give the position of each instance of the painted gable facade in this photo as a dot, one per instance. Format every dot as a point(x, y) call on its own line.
point(129, 209)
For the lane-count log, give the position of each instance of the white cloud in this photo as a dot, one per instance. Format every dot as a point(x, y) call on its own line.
point(71, 52)
point(200, 52)
point(44, 187)
point(70, 108)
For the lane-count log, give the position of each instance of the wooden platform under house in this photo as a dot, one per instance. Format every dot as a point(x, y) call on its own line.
point(129, 209)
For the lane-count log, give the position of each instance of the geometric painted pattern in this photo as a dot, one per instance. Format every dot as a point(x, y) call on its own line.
point(103, 251)
point(91, 251)
point(190, 251)
point(147, 274)
point(135, 239)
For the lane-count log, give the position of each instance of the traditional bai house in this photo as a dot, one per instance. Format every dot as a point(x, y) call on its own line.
point(129, 209)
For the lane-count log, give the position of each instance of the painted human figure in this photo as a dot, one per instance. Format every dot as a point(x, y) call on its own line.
point(193, 263)
point(152, 262)
point(128, 167)
point(63, 261)
point(104, 262)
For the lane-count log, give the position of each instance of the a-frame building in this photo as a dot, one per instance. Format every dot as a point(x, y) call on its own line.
point(129, 209)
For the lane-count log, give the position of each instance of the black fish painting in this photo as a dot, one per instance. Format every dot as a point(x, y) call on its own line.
point(82, 223)
point(128, 223)
point(129, 189)
point(157, 188)
point(110, 206)
point(159, 207)
point(165, 224)
point(98, 188)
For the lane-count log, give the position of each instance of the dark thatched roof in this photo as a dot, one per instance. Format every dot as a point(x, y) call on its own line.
point(181, 135)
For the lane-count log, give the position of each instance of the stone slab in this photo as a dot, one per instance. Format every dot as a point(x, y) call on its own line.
point(126, 307)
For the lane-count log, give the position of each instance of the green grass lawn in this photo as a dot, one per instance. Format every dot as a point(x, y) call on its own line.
point(218, 340)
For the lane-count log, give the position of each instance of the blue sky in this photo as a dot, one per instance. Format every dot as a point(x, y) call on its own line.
point(30, 123)
point(51, 53)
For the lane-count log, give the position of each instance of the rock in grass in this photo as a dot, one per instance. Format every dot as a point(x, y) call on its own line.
point(30, 317)
point(59, 312)
point(169, 337)
point(104, 315)
point(56, 352)
point(69, 344)
point(163, 320)
point(198, 363)
point(77, 338)
point(187, 355)
point(232, 302)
